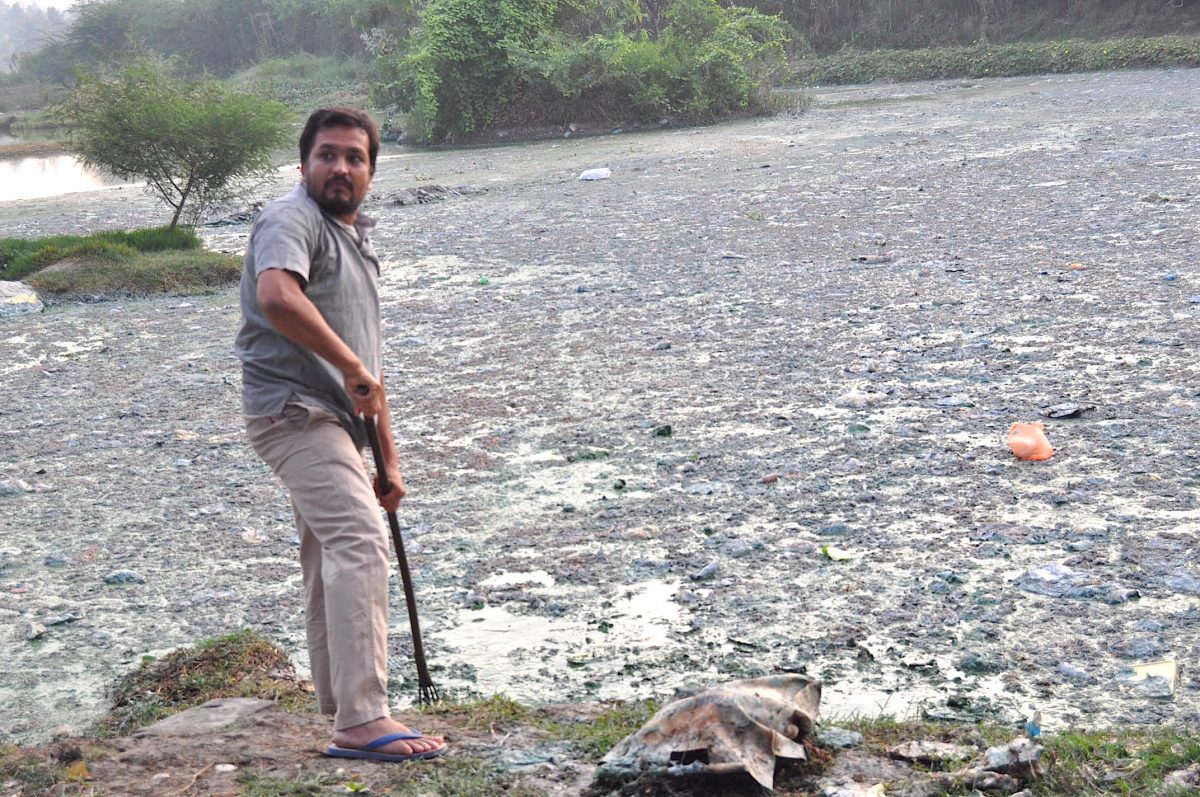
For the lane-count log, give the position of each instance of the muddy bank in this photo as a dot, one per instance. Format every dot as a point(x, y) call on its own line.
point(837, 315)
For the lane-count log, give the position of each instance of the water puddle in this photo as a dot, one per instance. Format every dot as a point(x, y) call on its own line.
point(501, 642)
point(37, 178)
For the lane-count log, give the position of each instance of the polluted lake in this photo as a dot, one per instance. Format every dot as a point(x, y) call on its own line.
point(741, 408)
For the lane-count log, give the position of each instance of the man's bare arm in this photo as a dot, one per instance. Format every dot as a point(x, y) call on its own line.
point(296, 318)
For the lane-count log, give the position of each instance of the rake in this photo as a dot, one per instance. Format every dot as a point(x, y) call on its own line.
point(426, 692)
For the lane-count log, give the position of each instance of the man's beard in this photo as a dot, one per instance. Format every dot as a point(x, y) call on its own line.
point(336, 205)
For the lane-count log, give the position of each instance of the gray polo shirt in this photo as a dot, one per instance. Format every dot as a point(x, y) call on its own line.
point(339, 272)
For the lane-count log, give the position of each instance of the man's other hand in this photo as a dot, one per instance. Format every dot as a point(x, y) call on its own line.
point(390, 500)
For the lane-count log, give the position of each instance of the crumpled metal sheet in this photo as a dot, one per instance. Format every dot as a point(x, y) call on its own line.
point(741, 726)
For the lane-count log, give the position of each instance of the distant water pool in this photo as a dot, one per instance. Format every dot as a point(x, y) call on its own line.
point(40, 177)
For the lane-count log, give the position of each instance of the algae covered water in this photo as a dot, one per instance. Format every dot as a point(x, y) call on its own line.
point(740, 408)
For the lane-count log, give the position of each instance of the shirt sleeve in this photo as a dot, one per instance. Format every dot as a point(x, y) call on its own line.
point(284, 238)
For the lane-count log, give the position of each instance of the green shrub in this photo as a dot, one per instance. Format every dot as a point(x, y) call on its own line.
point(473, 62)
point(454, 74)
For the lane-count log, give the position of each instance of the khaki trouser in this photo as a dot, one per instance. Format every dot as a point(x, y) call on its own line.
point(343, 556)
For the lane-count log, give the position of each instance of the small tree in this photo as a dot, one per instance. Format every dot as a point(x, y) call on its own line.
point(194, 142)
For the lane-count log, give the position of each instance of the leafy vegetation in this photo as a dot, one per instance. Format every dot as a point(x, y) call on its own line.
point(984, 60)
point(473, 62)
point(193, 142)
point(241, 664)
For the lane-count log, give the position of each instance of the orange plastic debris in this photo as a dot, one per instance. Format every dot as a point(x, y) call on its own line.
point(1028, 441)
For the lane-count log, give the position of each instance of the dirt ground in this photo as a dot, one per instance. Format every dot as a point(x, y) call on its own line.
point(635, 412)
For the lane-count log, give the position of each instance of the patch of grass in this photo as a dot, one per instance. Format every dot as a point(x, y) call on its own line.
point(162, 272)
point(880, 733)
point(34, 774)
point(1118, 762)
point(241, 664)
point(597, 735)
point(258, 785)
point(21, 256)
point(1000, 60)
point(32, 149)
point(1114, 763)
point(493, 712)
point(459, 776)
point(137, 262)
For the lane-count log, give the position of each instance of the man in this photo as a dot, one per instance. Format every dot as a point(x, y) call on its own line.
point(310, 351)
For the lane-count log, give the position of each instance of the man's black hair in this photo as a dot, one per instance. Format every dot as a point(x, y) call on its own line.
point(339, 117)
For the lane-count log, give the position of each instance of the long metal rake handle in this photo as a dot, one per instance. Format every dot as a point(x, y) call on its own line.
point(426, 691)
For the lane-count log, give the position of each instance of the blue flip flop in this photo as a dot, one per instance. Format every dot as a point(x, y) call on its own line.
point(370, 752)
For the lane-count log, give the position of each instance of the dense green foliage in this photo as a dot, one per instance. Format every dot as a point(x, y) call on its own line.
point(853, 66)
point(193, 142)
point(473, 61)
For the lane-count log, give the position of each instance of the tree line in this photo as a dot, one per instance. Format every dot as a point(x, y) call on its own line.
point(829, 25)
point(223, 36)
point(25, 28)
point(220, 36)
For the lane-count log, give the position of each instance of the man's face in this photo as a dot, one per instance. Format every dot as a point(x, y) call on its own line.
point(337, 172)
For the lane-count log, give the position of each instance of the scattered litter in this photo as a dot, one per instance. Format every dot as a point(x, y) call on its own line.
point(1166, 670)
point(595, 174)
point(1061, 411)
point(1028, 441)
point(927, 752)
point(17, 298)
point(243, 216)
point(1033, 724)
point(741, 726)
point(837, 554)
point(124, 577)
point(957, 400)
point(1060, 581)
point(424, 194)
